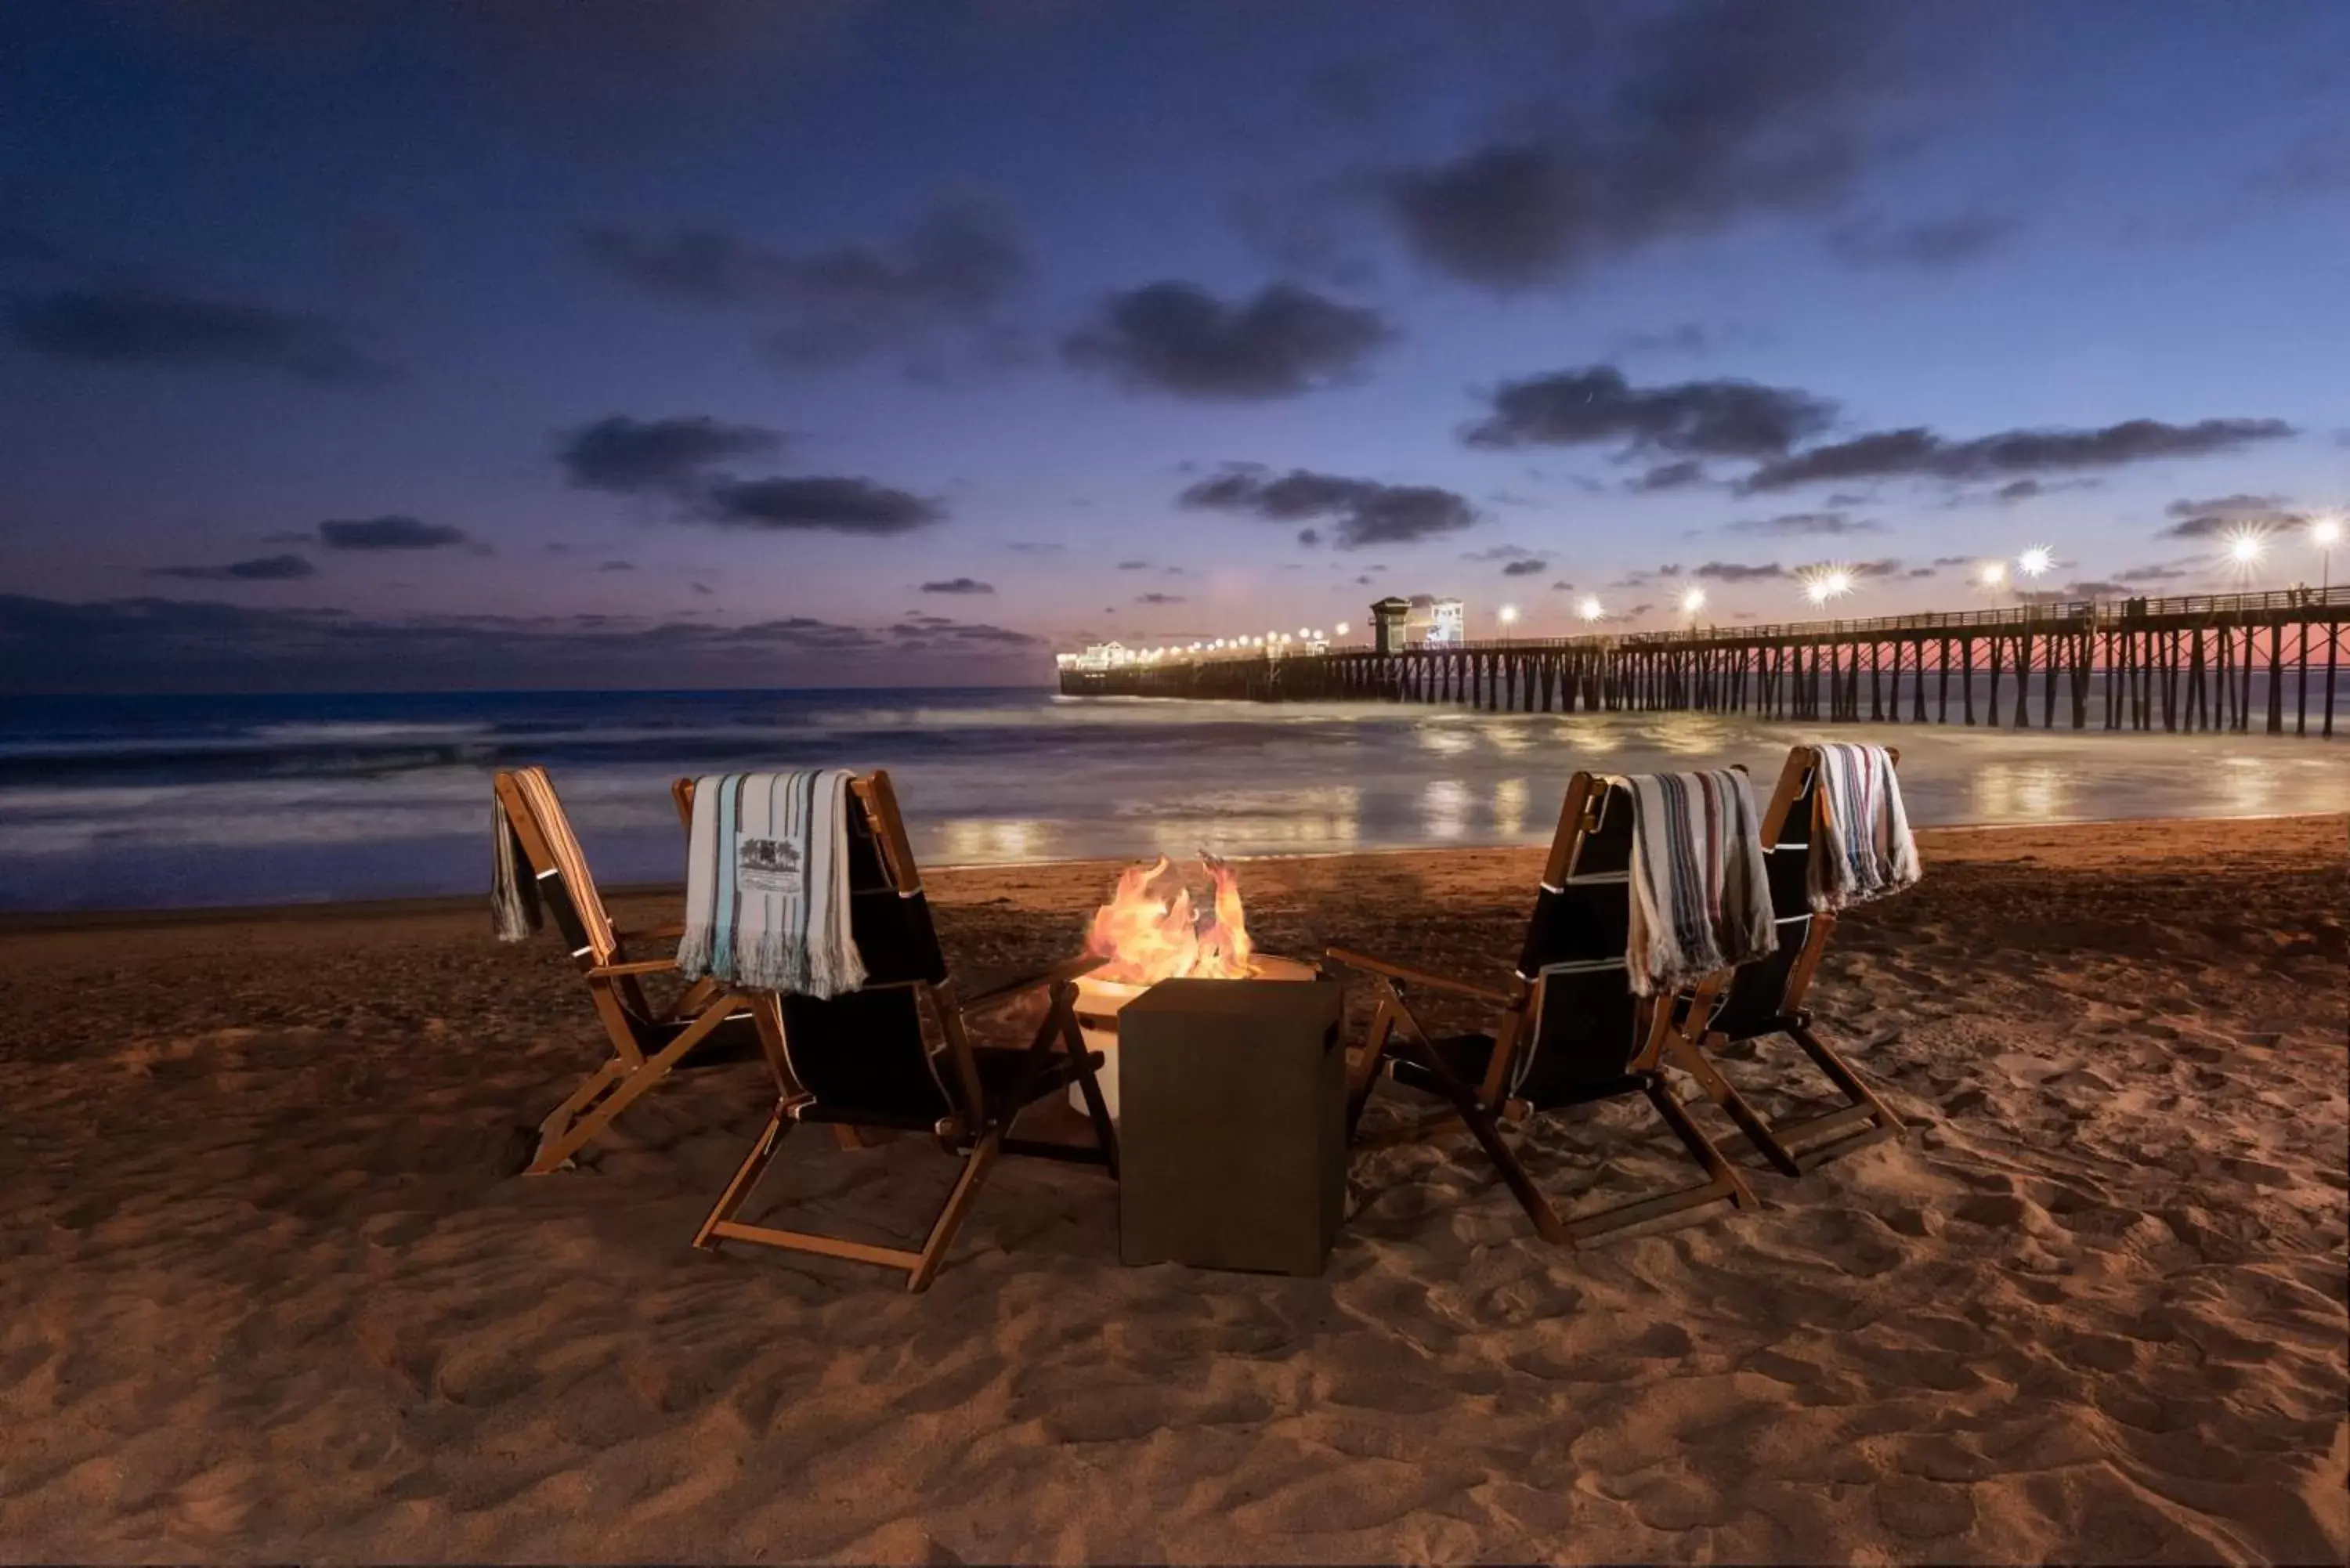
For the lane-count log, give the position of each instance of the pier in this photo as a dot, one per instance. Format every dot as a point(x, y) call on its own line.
point(2189, 663)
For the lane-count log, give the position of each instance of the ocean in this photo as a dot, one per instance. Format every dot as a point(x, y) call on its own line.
point(157, 802)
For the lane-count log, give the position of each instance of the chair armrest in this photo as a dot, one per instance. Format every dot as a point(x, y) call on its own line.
point(668, 933)
point(1067, 970)
point(634, 966)
point(1417, 976)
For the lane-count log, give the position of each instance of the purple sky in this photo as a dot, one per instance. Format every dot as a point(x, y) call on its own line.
point(401, 345)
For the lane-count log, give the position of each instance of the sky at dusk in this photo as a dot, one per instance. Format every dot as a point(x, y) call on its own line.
point(385, 347)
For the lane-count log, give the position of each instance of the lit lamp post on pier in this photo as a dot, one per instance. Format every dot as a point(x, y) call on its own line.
point(1507, 615)
point(2325, 533)
point(1691, 603)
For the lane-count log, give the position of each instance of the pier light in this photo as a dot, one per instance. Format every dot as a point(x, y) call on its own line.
point(1993, 575)
point(1693, 601)
point(1590, 609)
point(1827, 582)
point(2036, 562)
point(1509, 614)
point(1305, 631)
point(2325, 532)
point(2245, 545)
point(1340, 628)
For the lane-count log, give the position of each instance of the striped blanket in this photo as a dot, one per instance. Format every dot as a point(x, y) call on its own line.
point(1701, 901)
point(767, 883)
point(516, 894)
point(1863, 850)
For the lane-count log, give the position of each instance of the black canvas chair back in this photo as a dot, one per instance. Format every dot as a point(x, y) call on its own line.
point(1760, 997)
point(1772, 995)
point(895, 1053)
point(865, 1057)
point(1587, 1028)
point(1569, 1030)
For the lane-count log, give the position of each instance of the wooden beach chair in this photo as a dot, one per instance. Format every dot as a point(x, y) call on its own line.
point(705, 1025)
point(1768, 996)
point(867, 1060)
point(1569, 1028)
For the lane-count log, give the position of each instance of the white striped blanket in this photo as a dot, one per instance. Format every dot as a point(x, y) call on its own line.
point(1864, 849)
point(1701, 899)
point(767, 883)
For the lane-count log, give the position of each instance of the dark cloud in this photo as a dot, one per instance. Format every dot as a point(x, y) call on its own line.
point(838, 504)
point(1134, 565)
point(1531, 568)
point(617, 567)
point(704, 589)
point(948, 275)
point(1934, 245)
point(1804, 522)
point(1309, 537)
point(154, 644)
point(1923, 572)
point(2225, 514)
point(1917, 451)
point(262, 569)
point(2157, 573)
point(2094, 589)
point(2226, 505)
point(1178, 338)
point(1159, 598)
point(1685, 475)
point(1365, 511)
point(1575, 408)
point(632, 456)
point(1498, 553)
point(1033, 547)
point(2016, 490)
point(1736, 110)
point(1732, 572)
point(391, 533)
point(1884, 566)
point(154, 328)
point(959, 586)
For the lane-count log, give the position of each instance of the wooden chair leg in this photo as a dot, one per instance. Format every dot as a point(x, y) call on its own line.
point(1862, 1120)
point(1073, 1039)
point(958, 1204)
point(1722, 1178)
point(746, 1177)
point(556, 1122)
point(629, 1089)
point(1685, 1053)
point(1480, 1123)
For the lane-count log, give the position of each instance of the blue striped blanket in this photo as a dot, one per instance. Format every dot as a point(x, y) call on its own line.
point(1864, 849)
point(767, 883)
point(1701, 899)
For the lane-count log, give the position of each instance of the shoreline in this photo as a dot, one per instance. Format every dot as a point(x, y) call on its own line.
point(1942, 838)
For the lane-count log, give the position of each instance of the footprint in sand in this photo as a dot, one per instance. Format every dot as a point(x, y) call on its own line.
point(1922, 1510)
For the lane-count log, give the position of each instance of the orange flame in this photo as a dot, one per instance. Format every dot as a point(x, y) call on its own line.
point(1149, 931)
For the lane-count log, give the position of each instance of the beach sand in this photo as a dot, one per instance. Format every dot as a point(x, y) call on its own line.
point(271, 1289)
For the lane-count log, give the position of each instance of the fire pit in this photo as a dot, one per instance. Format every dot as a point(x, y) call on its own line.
point(1149, 931)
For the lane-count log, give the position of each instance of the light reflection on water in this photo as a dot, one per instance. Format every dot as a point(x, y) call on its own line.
point(356, 801)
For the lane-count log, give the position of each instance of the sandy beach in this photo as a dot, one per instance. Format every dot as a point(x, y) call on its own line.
point(271, 1289)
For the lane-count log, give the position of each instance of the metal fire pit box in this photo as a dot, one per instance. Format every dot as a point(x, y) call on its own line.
point(1233, 1146)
